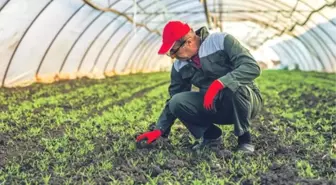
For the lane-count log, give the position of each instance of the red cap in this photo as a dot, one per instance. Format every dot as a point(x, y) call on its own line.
point(173, 31)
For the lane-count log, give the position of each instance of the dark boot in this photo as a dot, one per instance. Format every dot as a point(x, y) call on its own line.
point(208, 143)
point(245, 148)
point(244, 143)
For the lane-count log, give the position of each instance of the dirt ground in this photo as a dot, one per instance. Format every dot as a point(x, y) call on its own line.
point(178, 161)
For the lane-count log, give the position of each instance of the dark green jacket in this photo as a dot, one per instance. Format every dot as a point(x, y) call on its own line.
point(222, 57)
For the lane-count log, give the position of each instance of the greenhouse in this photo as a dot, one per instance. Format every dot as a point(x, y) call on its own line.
point(167, 92)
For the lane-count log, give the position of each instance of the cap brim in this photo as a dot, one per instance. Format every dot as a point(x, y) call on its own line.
point(165, 47)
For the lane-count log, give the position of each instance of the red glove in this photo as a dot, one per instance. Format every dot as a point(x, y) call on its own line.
point(211, 93)
point(150, 136)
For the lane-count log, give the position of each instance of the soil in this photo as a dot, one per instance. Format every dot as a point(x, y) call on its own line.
point(3, 151)
point(267, 143)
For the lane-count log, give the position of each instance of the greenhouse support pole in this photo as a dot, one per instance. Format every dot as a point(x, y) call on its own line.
point(134, 15)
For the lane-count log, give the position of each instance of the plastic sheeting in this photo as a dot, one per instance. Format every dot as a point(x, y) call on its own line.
point(48, 40)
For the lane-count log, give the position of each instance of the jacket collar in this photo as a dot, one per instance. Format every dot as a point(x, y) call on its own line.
point(202, 32)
